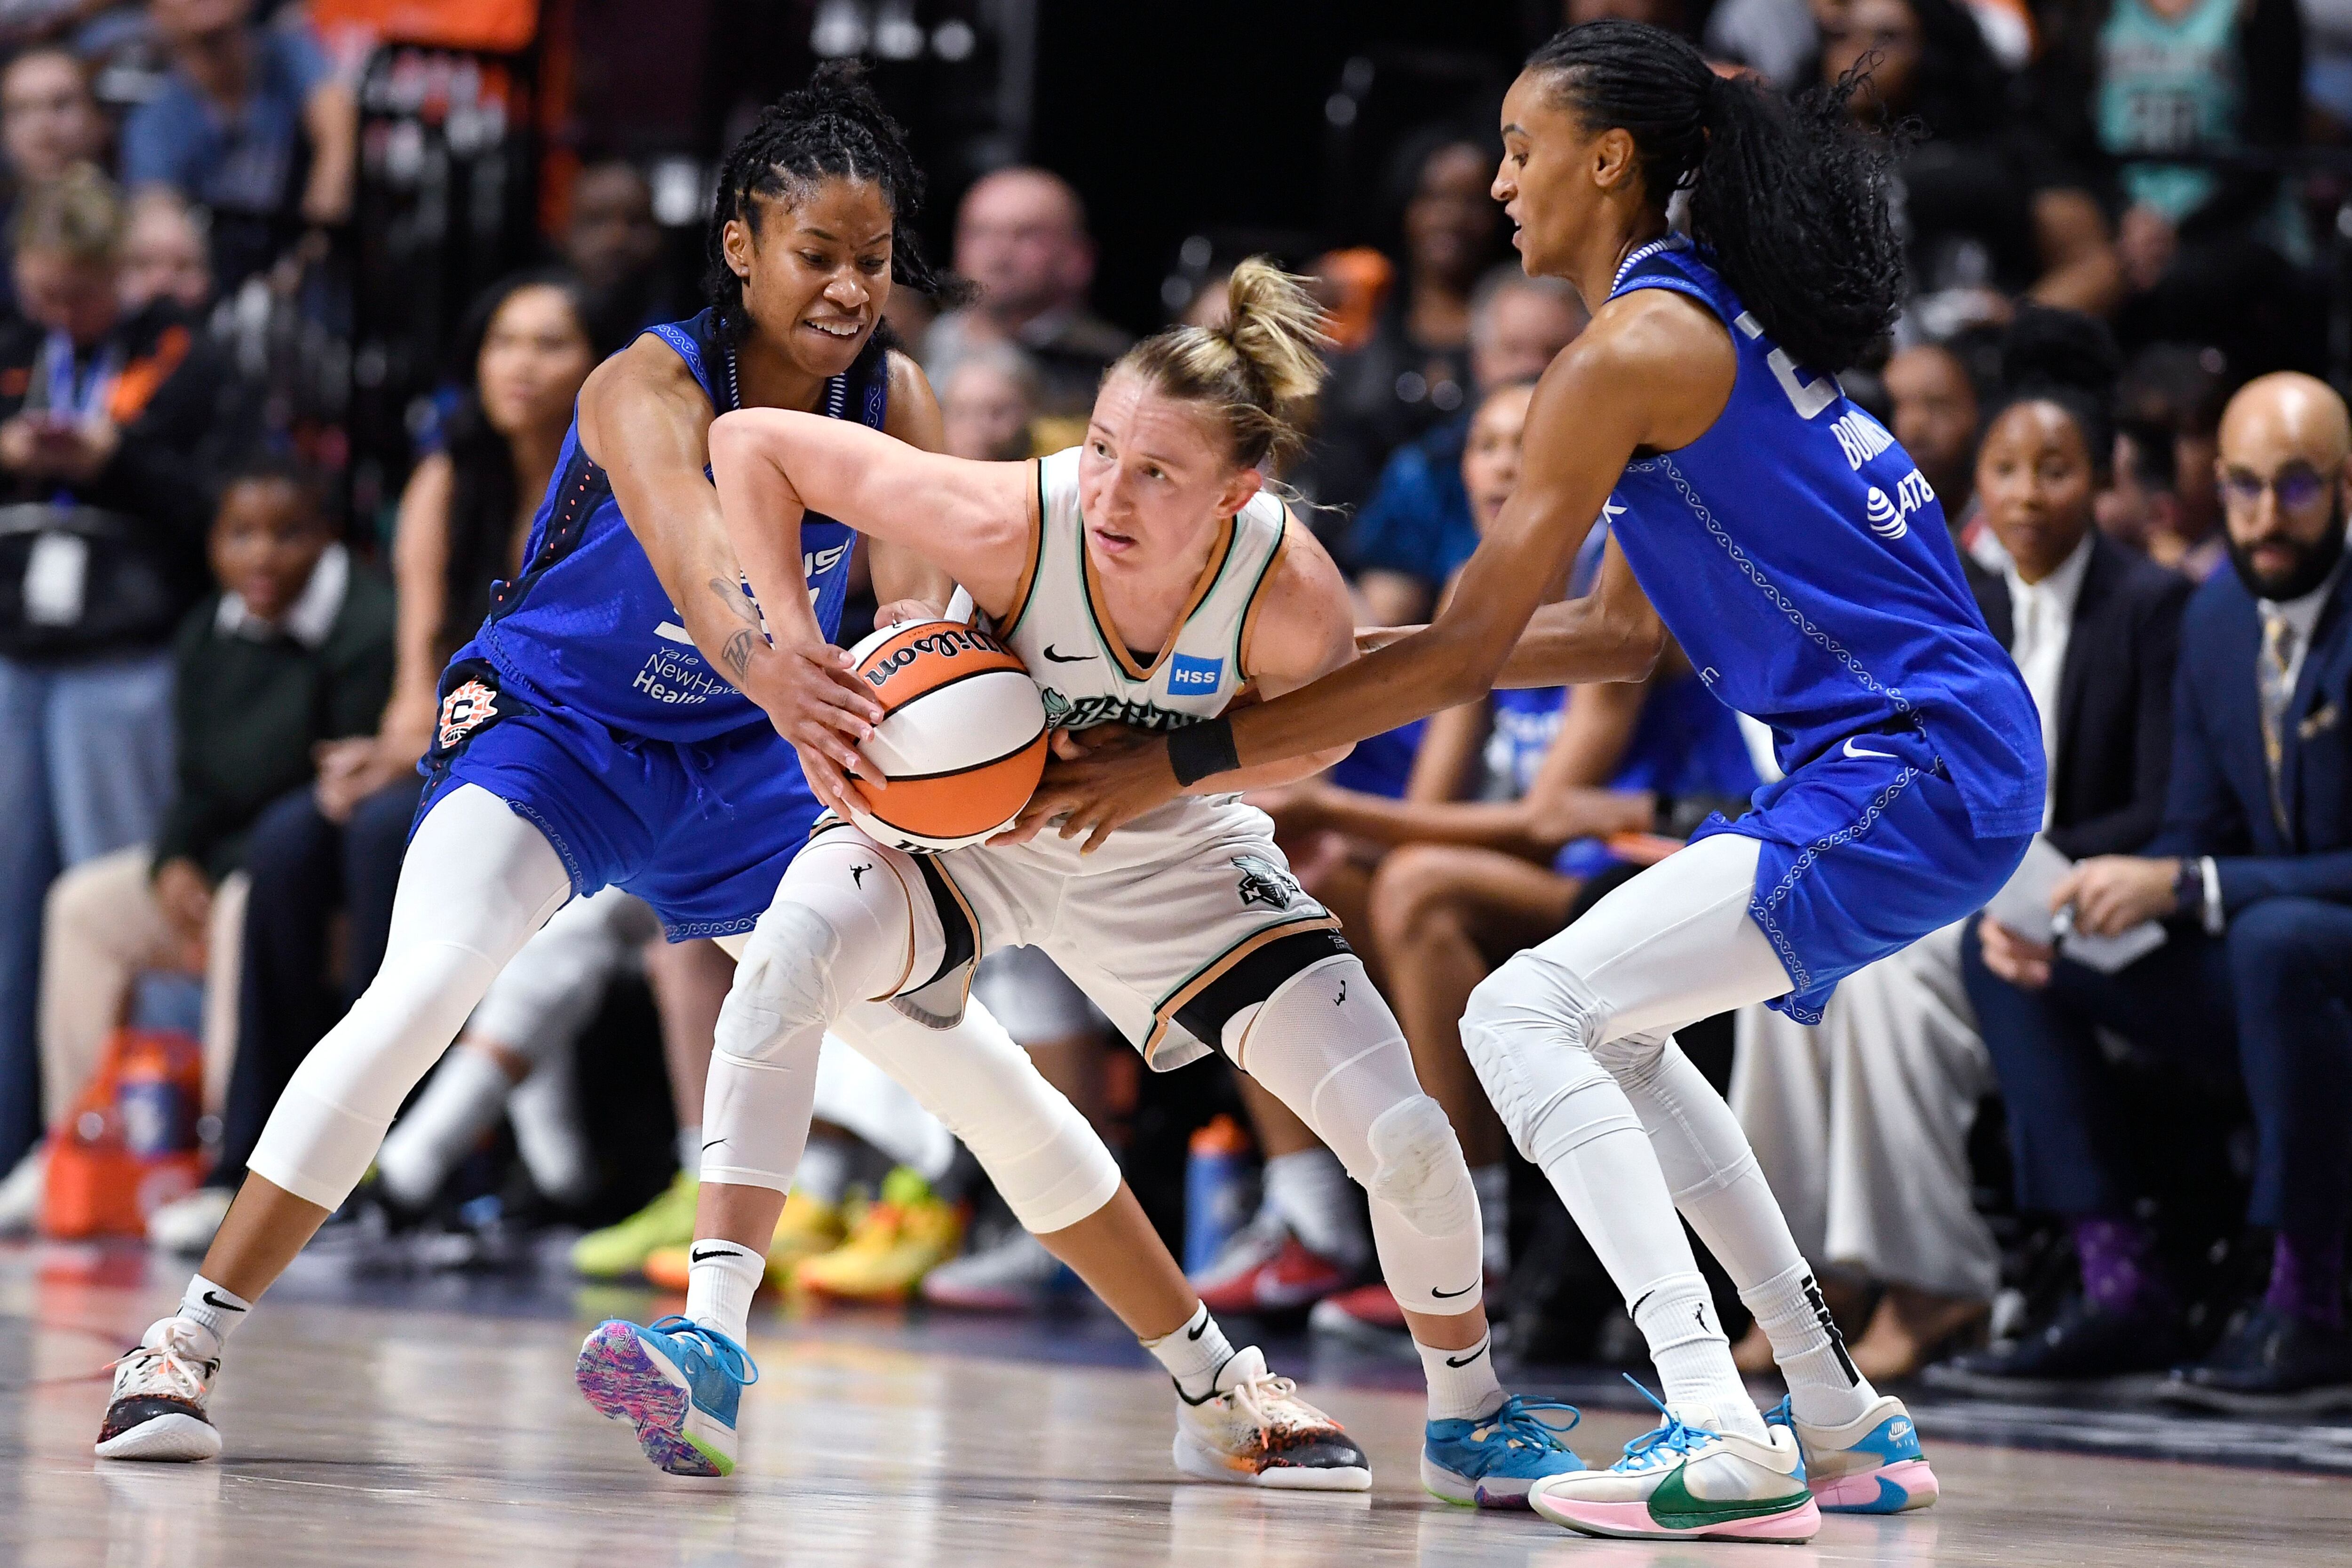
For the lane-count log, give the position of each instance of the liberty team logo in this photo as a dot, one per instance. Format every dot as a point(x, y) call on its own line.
point(467, 709)
point(1264, 882)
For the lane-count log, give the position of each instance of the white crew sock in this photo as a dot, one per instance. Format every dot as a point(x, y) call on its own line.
point(460, 1102)
point(689, 1149)
point(209, 1313)
point(1193, 1354)
point(720, 1278)
point(1462, 1383)
point(1493, 1184)
point(824, 1170)
point(1825, 1388)
point(1311, 1192)
point(1695, 1376)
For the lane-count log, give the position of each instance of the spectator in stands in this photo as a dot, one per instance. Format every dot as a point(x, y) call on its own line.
point(986, 404)
point(614, 246)
point(2142, 501)
point(48, 122)
point(1862, 1123)
point(2254, 979)
point(2181, 389)
point(292, 651)
point(1417, 530)
point(249, 124)
point(337, 843)
point(164, 253)
point(1020, 234)
point(1414, 373)
point(2168, 94)
point(1937, 417)
point(1989, 213)
point(107, 431)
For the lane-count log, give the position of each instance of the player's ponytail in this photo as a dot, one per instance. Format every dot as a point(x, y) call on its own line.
point(1255, 374)
point(1790, 198)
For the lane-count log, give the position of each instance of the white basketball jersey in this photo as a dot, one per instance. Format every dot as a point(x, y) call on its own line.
point(1062, 632)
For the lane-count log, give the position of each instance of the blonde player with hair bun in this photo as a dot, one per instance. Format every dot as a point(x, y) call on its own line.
point(1148, 578)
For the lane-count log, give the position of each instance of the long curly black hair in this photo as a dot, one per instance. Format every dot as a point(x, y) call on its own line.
point(834, 128)
point(1788, 196)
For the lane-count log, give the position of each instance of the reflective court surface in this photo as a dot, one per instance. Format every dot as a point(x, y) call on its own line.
point(435, 1422)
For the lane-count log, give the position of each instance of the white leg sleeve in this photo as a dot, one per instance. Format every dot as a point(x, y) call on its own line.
point(839, 931)
point(1050, 1166)
point(857, 1096)
point(477, 881)
point(540, 1002)
point(1327, 1046)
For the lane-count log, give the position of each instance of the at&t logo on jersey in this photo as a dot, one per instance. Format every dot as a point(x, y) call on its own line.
point(1891, 518)
point(1197, 674)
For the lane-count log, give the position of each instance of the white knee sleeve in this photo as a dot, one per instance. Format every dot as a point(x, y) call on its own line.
point(1326, 1045)
point(1524, 1032)
point(477, 881)
point(1050, 1166)
point(543, 1000)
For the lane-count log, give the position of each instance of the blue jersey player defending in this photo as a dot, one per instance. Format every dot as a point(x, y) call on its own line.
point(620, 720)
point(1800, 560)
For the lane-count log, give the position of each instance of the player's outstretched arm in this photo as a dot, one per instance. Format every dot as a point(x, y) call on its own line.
point(1653, 370)
point(646, 421)
point(970, 519)
point(1609, 634)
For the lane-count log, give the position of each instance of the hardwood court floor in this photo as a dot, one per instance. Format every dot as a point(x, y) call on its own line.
point(427, 1436)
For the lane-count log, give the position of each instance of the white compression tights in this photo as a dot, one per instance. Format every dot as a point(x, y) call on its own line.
point(477, 881)
point(839, 934)
point(1573, 1041)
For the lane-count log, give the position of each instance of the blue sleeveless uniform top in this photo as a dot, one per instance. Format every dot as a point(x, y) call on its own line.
point(589, 626)
point(1801, 559)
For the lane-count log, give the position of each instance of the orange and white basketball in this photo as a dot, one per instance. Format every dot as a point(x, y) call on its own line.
point(962, 739)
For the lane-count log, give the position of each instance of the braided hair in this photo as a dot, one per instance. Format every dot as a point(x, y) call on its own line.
point(1789, 199)
point(834, 128)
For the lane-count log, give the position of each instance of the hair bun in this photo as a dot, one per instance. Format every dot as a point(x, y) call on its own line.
point(1277, 329)
point(2045, 347)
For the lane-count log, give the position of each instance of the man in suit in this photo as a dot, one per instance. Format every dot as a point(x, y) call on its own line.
point(2253, 872)
point(1862, 1123)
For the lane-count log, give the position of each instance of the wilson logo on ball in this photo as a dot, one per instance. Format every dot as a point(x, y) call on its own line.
point(962, 744)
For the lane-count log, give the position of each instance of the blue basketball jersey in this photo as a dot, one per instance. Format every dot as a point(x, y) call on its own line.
point(1801, 559)
point(589, 626)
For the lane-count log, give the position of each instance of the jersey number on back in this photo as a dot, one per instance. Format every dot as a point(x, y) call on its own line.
point(1807, 398)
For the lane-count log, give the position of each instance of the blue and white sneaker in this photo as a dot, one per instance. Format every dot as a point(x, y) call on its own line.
point(1687, 1479)
point(677, 1382)
point(1492, 1461)
point(1870, 1465)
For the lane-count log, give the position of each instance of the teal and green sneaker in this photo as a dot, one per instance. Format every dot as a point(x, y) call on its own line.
point(1685, 1479)
point(1492, 1460)
point(677, 1382)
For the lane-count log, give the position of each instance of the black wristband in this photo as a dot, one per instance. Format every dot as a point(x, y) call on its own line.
point(1201, 751)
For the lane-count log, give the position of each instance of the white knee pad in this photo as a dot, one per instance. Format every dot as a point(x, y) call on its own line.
point(1419, 1170)
point(1525, 1034)
point(784, 985)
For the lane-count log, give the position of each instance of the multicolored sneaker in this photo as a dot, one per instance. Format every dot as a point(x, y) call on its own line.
point(1492, 1461)
point(1255, 1431)
point(619, 1251)
point(1870, 1465)
point(1266, 1268)
point(1016, 1275)
point(161, 1389)
point(807, 1227)
point(903, 1236)
point(1683, 1481)
point(677, 1382)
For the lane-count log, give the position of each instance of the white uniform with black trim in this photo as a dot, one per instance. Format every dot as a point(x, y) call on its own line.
point(1189, 914)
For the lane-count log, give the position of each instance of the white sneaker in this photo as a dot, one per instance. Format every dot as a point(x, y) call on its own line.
point(1016, 1275)
point(1254, 1430)
point(20, 1195)
point(157, 1412)
point(1687, 1479)
point(186, 1226)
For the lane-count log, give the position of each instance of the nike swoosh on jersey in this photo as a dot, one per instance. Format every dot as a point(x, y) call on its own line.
point(1854, 750)
point(1053, 657)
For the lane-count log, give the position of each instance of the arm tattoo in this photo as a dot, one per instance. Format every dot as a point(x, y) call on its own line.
point(737, 654)
point(732, 595)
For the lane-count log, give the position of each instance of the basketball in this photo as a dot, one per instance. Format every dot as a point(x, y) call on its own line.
point(963, 738)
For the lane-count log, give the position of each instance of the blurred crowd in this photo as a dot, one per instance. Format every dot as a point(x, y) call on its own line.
point(2030, 1151)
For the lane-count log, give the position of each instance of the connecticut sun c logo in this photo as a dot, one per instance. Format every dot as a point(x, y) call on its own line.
point(465, 711)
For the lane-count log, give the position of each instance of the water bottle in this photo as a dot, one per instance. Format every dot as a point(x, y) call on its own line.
point(149, 1106)
point(1216, 1190)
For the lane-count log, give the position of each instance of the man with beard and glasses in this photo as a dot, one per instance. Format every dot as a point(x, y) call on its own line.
point(2253, 877)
